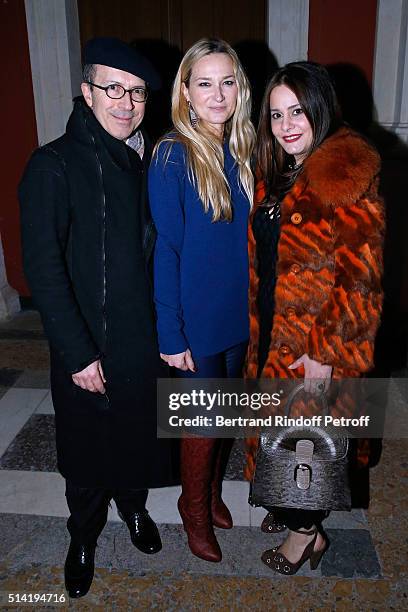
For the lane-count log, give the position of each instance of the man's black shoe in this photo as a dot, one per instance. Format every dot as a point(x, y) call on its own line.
point(79, 569)
point(143, 532)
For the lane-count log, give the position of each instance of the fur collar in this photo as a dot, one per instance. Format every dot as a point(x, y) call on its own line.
point(342, 169)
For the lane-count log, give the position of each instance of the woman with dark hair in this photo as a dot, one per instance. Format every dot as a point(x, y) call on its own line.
point(316, 262)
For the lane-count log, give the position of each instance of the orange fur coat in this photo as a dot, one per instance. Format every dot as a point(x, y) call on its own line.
point(328, 294)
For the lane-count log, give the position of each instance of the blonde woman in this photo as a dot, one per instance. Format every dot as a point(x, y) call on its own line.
point(201, 189)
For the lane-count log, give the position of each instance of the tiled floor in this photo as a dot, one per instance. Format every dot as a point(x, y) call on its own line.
point(364, 569)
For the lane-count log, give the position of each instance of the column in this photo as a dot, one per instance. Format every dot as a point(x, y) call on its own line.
point(9, 302)
point(391, 67)
point(53, 35)
point(288, 29)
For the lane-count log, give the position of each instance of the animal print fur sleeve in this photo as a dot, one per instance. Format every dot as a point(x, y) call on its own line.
point(343, 332)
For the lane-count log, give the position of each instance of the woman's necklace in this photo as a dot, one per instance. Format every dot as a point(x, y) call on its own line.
point(273, 209)
point(293, 167)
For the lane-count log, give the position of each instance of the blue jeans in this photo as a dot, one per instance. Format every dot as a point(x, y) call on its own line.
point(227, 364)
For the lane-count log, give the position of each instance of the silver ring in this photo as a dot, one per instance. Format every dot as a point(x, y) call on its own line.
point(320, 386)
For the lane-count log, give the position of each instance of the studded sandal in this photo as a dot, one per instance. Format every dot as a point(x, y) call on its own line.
point(277, 562)
point(270, 525)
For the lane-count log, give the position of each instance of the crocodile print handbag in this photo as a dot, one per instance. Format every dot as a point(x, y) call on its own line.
point(302, 467)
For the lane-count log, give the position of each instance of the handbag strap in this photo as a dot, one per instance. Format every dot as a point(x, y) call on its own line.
point(292, 395)
point(278, 439)
point(289, 402)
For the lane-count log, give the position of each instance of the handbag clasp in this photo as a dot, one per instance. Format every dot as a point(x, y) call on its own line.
point(304, 457)
point(303, 476)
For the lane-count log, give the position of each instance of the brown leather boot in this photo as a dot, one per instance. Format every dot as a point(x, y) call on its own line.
point(221, 516)
point(197, 460)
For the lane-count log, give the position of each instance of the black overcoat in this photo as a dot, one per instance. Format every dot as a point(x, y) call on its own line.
point(87, 242)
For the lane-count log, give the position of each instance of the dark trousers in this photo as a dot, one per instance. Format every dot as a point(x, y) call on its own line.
point(89, 509)
point(295, 518)
point(227, 364)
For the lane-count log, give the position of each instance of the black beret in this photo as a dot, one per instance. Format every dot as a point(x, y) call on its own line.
point(116, 53)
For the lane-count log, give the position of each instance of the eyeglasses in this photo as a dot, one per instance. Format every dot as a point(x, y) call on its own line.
point(116, 92)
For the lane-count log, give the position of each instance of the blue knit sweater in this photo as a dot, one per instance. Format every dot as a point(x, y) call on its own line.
point(200, 267)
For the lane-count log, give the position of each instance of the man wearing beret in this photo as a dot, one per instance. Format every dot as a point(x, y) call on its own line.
point(87, 244)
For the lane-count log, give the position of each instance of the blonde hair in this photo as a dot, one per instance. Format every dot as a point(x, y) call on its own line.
point(201, 146)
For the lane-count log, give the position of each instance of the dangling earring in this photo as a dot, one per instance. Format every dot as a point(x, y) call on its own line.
point(193, 116)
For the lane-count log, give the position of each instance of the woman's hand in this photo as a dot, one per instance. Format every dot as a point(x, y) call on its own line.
point(317, 375)
point(182, 361)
